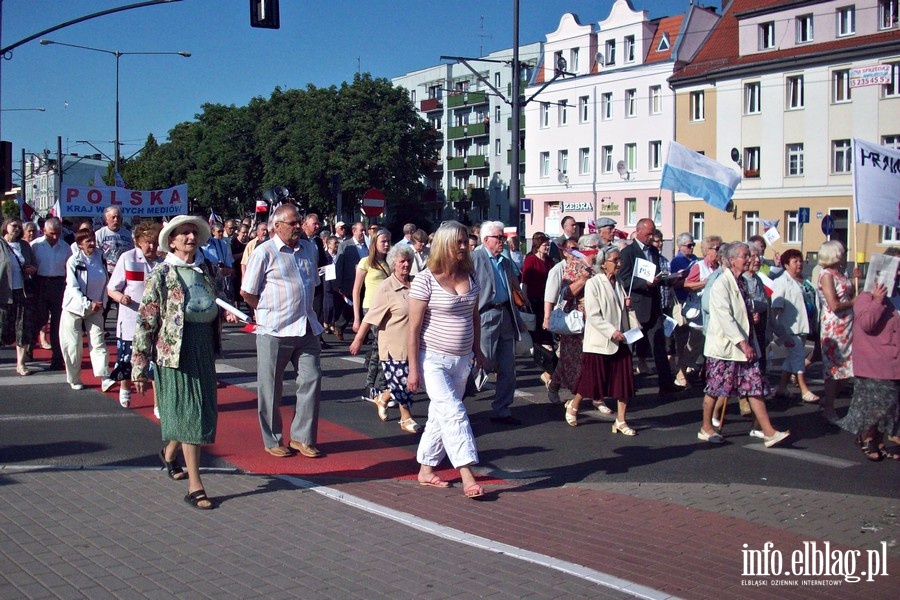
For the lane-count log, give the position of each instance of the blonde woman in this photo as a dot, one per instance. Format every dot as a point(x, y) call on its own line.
point(836, 297)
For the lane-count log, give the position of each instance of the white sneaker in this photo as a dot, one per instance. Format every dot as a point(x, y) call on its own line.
point(77, 386)
point(757, 433)
point(106, 384)
point(716, 423)
point(156, 412)
point(776, 438)
point(125, 397)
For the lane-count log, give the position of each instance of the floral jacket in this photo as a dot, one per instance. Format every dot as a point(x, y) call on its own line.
point(160, 320)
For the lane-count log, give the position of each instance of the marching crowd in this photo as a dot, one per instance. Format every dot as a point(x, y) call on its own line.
point(440, 313)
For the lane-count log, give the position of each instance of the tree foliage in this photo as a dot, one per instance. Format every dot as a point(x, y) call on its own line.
point(367, 132)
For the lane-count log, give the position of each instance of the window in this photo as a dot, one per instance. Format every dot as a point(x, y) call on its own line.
point(436, 122)
point(629, 48)
point(698, 112)
point(893, 88)
point(794, 160)
point(412, 96)
point(557, 62)
point(697, 228)
point(563, 162)
point(655, 99)
point(631, 157)
point(804, 29)
point(767, 35)
point(584, 161)
point(656, 210)
point(607, 156)
point(751, 162)
point(462, 86)
point(545, 164)
point(573, 60)
point(891, 141)
point(887, 14)
point(751, 98)
point(841, 86)
point(630, 99)
point(583, 108)
point(631, 211)
point(654, 156)
point(497, 79)
point(497, 147)
point(610, 54)
point(545, 115)
point(846, 21)
point(791, 227)
point(751, 224)
point(606, 106)
point(841, 156)
point(794, 99)
point(888, 235)
point(435, 91)
point(496, 114)
point(563, 107)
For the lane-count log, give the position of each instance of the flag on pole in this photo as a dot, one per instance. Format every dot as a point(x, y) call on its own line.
point(261, 206)
point(213, 218)
point(119, 181)
point(645, 270)
point(876, 184)
point(26, 213)
point(693, 174)
point(97, 180)
point(770, 231)
point(54, 210)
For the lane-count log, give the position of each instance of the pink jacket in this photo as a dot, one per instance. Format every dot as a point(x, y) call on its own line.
point(876, 339)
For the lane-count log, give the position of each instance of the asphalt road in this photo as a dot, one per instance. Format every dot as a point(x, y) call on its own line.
point(44, 422)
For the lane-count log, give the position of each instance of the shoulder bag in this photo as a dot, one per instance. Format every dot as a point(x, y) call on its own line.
point(564, 322)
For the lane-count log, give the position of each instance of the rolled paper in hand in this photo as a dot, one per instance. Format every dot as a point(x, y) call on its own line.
point(233, 310)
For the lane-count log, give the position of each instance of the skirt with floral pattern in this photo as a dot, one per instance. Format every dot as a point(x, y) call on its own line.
point(733, 378)
point(395, 374)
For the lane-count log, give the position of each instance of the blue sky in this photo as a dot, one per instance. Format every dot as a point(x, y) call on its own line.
point(320, 43)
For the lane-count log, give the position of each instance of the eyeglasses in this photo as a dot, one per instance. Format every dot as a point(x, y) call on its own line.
point(715, 248)
point(496, 237)
point(614, 260)
point(590, 248)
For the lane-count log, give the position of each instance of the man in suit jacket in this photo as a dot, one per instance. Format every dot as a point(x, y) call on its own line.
point(647, 301)
point(500, 321)
point(350, 252)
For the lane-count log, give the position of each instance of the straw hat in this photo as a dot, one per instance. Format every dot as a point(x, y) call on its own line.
point(170, 227)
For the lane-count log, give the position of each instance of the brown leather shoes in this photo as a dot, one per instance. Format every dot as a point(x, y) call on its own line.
point(279, 451)
point(307, 450)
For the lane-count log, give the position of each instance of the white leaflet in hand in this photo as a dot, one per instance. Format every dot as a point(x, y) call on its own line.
point(771, 235)
point(633, 335)
point(645, 270)
point(233, 310)
point(329, 272)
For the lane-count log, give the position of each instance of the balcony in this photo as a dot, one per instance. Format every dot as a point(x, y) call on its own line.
point(455, 133)
point(474, 161)
point(456, 163)
point(466, 99)
point(521, 123)
point(430, 104)
point(477, 129)
point(521, 157)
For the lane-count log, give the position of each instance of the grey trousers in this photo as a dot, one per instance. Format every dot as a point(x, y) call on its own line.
point(498, 344)
point(273, 356)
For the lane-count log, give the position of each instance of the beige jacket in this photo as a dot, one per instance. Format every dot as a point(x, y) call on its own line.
point(604, 314)
point(729, 323)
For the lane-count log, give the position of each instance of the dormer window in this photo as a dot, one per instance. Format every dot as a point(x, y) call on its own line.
point(629, 48)
point(663, 43)
point(573, 60)
point(610, 52)
point(767, 35)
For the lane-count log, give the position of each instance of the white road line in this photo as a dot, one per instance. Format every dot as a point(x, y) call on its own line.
point(449, 533)
point(828, 461)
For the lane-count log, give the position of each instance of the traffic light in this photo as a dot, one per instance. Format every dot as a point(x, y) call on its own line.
point(6, 166)
point(264, 14)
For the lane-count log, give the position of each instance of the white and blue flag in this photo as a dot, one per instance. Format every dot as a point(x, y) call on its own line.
point(695, 175)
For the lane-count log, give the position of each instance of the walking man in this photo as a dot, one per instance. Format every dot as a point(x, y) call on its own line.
point(278, 285)
point(50, 255)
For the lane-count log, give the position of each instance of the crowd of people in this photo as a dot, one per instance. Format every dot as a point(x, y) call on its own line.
point(441, 312)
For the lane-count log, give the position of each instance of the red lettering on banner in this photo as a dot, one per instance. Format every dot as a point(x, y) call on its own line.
point(112, 199)
point(71, 194)
point(156, 197)
point(176, 197)
point(94, 196)
point(136, 199)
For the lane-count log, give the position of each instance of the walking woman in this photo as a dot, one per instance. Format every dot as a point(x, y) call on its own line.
point(17, 268)
point(370, 272)
point(606, 367)
point(83, 301)
point(444, 337)
point(389, 313)
point(177, 322)
point(835, 296)
point(535, 269)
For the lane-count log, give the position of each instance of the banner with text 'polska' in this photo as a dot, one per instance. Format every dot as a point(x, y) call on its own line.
point(84, 201)
point(876, 184)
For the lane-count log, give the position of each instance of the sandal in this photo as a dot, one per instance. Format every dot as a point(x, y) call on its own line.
point(23, 371)
point(174, 469)
point(474, 491)
point(196, 498)
point(888, 454)
point(435, 481)
point(410, 426)
point(571, 414)
point(623, 428)
point(382, 408)
point(603, 409)
point(809, 397)
point(872, 451)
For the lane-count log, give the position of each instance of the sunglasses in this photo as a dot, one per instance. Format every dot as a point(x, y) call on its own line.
point(689, 245)
point(496, 237)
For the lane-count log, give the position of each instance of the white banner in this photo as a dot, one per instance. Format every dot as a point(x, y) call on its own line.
point(84, 201)
point(876, 184)
point(644, 269)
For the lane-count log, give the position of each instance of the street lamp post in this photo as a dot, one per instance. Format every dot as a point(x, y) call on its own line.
point(118, 55)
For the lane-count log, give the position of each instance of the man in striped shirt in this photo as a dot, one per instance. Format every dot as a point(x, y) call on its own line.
point(278, 285)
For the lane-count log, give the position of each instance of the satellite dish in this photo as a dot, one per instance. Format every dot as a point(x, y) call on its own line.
point(736, 156)
point(561, 64)
point(620, 168)
point(600, 59)
point(562, 178)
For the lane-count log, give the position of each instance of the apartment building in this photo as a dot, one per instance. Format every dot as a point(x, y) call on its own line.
point(471, 178)
point(778, 91)
point(600, 115)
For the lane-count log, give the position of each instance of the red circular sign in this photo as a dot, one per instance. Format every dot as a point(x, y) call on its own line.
point(373, 202)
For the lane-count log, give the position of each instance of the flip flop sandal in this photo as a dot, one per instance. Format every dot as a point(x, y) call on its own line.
point(474, 491)
point(869, 448)
point(435, 481)
point(195, 498)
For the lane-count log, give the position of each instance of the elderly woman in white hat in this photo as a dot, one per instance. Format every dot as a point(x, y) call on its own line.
point(177, 319)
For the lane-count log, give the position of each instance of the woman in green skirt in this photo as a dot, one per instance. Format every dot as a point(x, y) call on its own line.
point(177, 328)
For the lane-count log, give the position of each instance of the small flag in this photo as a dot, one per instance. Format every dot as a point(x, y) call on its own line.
point(119, 181)
point(261, 206)
point(97, 180)
point(645, 269)
point(213, 218)
point(693, 174)
point(768, 284)
point(769, 224)
point(26, 213)
point(54, 210)
point(591, 226)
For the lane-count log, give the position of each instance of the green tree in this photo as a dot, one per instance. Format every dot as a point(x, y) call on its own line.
point(10, 209)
